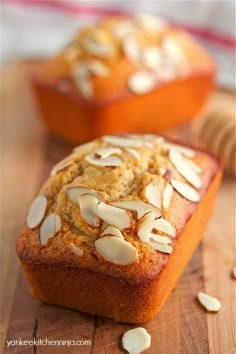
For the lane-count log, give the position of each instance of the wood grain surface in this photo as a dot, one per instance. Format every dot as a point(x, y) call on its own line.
point(27, 155)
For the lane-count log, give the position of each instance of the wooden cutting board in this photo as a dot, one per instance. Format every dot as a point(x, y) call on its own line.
point(28, 153)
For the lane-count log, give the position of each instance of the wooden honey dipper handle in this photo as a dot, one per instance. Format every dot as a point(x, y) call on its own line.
point(218, 134)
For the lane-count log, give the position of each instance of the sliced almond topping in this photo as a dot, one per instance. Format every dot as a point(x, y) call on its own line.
point(136, 340)
point(182, 149)
point(160, 246)
point(100, 50)
point(140, 207)
point(37, 211)
point(145, 227)
point(116, 250)
point(152, 195)
point(151, 23)
point(185, 190)
point(195, 167)
point(83, 81)
point(106, 152)
point(123, 141)
point(75, 192)
point(234, 271)
point(111, 161)
point(133, 152)
point(141, 82)
point(122, 29)
point(164, 226)
point(132, 49)
point(77, 250)
point(111, 230)
point(209, 302)
point(152, 58)
point(175, 53)
point(161, 239)
point(162, 171)
point(98, 68)
point(61, 166)
point(167, 196)
point(117, 217)
point(184, 169)
point(50, 226)
point(87, 202)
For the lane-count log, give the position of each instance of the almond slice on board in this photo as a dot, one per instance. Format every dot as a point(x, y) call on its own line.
point(136, 340)
point(111, 161)
point(164, 226)
point(167, 196)
point(142, 82)
point(116, 250)
point(87, 202)
point(145, 227)
point(75, 192)
point(50, 226)
point(140, 207)
point(209, 302)
point(185, 190)
point(160, 246)
point(75, 249)
point(106, 152)
point(117, 217)
point(112, 230)
point(37, 211)
point(184, 169)
point(152, 195)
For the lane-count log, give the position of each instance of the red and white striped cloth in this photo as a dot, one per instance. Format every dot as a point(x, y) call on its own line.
point(32, 28)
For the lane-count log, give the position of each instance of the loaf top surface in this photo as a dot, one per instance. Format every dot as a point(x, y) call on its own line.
point(116, 205)
point(123, 56)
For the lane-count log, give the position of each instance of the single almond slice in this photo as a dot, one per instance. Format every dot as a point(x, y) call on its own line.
point(142, 82)
point(234, 271)
point(87, 202)
point(106, 152)
point(209, 302)
point(98, 68)
point(132, 49)
point(133, 152)
point(75, 192)
point(152, 58)
point(37, 211)
point(150, 22)
point(62, 165)
point(160, 246)
point(111, 161)
point(182, 149)
point(140, 207)
point(100, 50)
point(136, 340)
point(185, 190)
point(184, 169)
point(174, 53)
point(117, 217)
point(83, 81)
point(145, 227)
point(50, 226)
point(75, 249)
point(194, 166)
point(122, 29)
point(111, 230)
point(167, 196)
point(164, 226)
point(152, 195)
point(161, 239)
point(116, 250)
point(123, 141)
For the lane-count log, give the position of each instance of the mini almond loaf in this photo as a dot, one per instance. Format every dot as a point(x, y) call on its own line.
point(115, 224)
point(123, 74)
